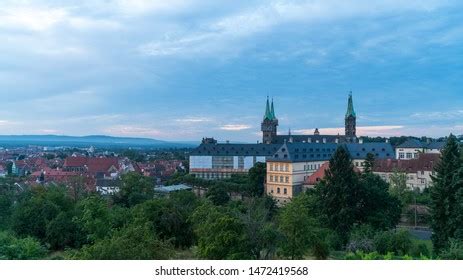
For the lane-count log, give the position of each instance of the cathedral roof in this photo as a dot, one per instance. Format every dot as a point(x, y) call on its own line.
point(280, 139)
point(350, 107)
point(269, 111)
point(235, 150)
point(306, 152)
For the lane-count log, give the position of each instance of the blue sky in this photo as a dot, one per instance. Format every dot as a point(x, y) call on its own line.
point(181, 69)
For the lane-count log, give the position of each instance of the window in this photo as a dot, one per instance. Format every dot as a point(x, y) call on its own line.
point(271, 166)
point(285, 191)
point(286, 179)
point(401, 155)
point(278, 190)
point(409, 155)
point(271, 178)
point(281, 179)
point(416, 155)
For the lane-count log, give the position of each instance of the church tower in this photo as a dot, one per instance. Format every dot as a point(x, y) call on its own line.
point(351, 121)
point(269, 124)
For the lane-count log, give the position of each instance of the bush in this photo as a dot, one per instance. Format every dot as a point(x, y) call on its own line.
point(361, 239)
point(454, 252)
point(399, 242)
point(420, 250)
point(12, 248)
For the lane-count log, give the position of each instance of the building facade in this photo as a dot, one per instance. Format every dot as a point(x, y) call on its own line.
point(213, 160)
point(294, 163)
point(413, 148)
point(418, 171)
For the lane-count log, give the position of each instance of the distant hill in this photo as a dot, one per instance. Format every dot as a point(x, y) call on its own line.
point(92, 140)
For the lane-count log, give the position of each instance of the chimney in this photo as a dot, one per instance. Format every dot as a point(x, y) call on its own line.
point(309, 140)
point(324, 140)
point(337, 140)
point(361, 141)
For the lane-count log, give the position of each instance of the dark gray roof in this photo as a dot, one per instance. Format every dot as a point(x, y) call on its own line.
point(411, 143)
point(266, 150)
point(280, 139)
point(414, 143)
point(436, 145)
point(301, 152)
point(379, 150)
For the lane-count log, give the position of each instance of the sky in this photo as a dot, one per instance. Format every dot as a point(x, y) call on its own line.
point(187, 69)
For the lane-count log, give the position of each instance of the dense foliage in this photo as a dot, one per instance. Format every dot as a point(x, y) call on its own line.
point(349, 215)
point(447, 197)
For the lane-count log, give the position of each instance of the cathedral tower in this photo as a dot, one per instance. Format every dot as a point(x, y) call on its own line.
point(351, 121)
point(269, 124)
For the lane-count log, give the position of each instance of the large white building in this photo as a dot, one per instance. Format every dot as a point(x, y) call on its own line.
point(212, 160)
point(417, 171)
point(412, 149)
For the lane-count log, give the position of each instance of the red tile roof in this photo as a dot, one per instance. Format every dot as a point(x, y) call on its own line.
point(318, 175)
point(93, 165)
point(425, 162)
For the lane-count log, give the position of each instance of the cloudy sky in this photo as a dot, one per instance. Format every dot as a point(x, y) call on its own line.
point(184, 69)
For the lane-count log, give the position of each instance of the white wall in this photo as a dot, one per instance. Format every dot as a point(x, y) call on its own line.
point(201, 162)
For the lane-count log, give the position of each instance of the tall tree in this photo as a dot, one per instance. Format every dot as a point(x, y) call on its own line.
point(399, 189)
point(299, 229)
point(220, 234)
point(257, 176)
point(339, 193)
point(369, 163)
point(135, 189)
point(443, 195)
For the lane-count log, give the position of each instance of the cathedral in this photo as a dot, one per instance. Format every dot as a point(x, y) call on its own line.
point(270, 124)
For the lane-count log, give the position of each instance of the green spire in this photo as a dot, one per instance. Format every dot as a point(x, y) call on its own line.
point(272, 111)
point(350, 107)
point(268, 113)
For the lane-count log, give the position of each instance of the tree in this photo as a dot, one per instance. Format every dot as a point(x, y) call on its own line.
point(257, 176)
point(376, 207)
point(399, 189)
point(135, 189)
point(369, 163)
point(6, 209)
point(299, 229)
point(93, 218)
point(261, 233)
point(454, 251)
point(133, 242)
point(63, 232)
point(33, 213)
point(218, 195)
point(339, 193)
point(12, 248)
point(220, 234)
point(170, 217)
point(443, 195)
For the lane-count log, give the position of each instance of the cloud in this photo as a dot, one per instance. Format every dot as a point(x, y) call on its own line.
point(221, 34)
point(31, 18)
point(235, 127)
point(194, 120)
point(133, 131)
point(438, 116)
